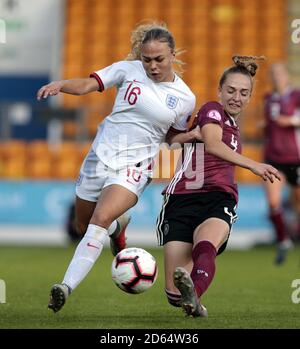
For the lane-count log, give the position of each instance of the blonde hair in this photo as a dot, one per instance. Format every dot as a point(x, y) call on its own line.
point(147, 32)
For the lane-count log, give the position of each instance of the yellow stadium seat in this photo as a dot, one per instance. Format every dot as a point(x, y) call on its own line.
point(14, 168)
point(2, 164)
point(76, 10)
point(66, 149)
point(103, 5)
point(14, 149)
point(209, 39)
point(40, 168)
point(83, 149)
point(66, 168)
point(38, 149)
point(92, 127)
point(253, 151)
point(70, 101)
point(70, 129)
point(243, 175)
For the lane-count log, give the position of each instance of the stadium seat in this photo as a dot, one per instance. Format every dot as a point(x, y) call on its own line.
point(70, 129)
point(76, 9)
point(14, 168)
point(66, 168)
point(254, 152)
point(92, 128)
point(83, 149)
point(38, 149)
point(70, 101)
point(243, 175)
point(66, 149)
point(13, 149)
point(40, 168)
point(197, 28)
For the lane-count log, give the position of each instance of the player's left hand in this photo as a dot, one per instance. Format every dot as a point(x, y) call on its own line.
point(270, 173)
point(266, 172)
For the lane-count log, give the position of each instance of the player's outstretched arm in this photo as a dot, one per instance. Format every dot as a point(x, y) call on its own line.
point(73, 86)
point(212, 137)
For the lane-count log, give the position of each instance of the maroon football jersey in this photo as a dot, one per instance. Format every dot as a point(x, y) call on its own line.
point(199, 171)
point(282, 144)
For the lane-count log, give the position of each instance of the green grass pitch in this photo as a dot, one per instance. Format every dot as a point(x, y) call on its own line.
point(247, 292)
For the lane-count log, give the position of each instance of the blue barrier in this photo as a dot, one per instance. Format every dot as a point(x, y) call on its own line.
point(35, 203)
point(252, 208)
point(47, 203)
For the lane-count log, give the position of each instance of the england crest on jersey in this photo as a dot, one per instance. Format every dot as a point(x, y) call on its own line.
point(171, 101)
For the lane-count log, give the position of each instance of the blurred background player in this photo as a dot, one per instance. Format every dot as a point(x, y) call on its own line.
point(282, 150)
point(152, 102)
point(198, 211)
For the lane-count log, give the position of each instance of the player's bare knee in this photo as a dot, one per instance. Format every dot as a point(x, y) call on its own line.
point(102, 219)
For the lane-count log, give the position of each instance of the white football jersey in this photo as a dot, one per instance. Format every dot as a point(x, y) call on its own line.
point(142, 114)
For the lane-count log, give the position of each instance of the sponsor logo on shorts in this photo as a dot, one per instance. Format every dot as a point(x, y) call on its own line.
point(233, 216)
point(166, 228)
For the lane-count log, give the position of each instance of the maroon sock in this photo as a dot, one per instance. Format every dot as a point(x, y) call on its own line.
point(278, 222)
point(204, 255)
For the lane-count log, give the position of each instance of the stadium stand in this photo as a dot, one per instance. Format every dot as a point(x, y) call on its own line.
point(210, 31)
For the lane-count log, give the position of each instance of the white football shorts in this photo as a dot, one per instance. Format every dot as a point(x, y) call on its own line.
point(95, 175)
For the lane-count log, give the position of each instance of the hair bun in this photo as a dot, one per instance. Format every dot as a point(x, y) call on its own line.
point(248, 62)
point(252, 67)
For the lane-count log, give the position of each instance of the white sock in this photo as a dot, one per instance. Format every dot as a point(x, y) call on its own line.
point(86, 254)
point(111, 229)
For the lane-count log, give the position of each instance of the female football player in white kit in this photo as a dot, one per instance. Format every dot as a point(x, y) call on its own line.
point(152, 105)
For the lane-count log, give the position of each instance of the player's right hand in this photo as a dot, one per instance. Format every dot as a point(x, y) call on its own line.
point(51, 89)
point(196, 133)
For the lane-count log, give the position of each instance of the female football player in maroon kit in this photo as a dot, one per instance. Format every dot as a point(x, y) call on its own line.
point(282, 149)
point(200, 201)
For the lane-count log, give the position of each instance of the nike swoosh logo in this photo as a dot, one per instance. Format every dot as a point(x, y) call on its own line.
point(90, 245)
